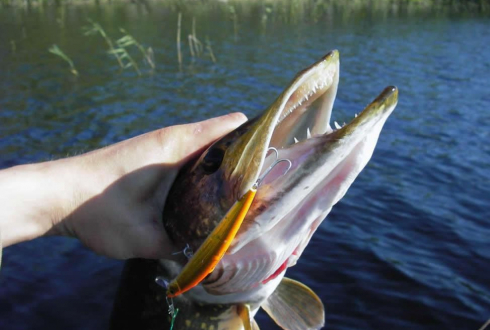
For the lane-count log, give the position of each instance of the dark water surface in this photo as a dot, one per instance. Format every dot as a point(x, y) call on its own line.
point(407, 248)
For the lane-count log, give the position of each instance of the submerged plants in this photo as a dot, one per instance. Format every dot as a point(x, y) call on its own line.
point(119, 50)
point(95, 28)
point(128, 40)
point(195, 45)
point(57, 51)
point(210, 50)
point(179, 52)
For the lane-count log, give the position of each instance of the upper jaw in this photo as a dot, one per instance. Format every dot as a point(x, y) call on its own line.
point(306, 106)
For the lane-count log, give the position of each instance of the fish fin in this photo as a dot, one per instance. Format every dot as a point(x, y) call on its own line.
point(294, 306)
point(248, 321)
point(217, 317)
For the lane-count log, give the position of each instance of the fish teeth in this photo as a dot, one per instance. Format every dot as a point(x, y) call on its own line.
point(337, 126)
point(355, 115)
point(308, 133)
point(296, 140)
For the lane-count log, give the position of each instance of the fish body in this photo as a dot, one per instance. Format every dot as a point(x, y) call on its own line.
point(286, 211)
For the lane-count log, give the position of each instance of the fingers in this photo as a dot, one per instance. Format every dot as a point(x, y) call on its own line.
point(205, 132)
point(179, 143)
point(202, 134)
point(172, 145)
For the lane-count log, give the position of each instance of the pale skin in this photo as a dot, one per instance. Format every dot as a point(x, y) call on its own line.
point(111, 199)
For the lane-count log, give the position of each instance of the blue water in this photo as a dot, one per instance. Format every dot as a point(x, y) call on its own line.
point(407, 247)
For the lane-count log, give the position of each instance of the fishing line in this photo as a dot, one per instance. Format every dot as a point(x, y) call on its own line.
point(187, 252)
point(174, 315)
point(170, 301)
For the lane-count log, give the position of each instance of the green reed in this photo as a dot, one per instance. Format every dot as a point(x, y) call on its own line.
point(128, 40)
point(195, 45)
point(123, 55)
point(210, 50)
point(57, 51)
point(179, 52)
point(234, 18)
point(95, 28)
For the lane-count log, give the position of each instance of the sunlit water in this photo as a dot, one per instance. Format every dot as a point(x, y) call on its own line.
point(407, 248)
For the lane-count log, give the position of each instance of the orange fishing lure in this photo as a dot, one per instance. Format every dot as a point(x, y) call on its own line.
point(214, 247)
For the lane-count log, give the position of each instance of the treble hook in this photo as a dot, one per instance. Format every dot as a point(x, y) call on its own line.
point(269, 169)
point(170, 301)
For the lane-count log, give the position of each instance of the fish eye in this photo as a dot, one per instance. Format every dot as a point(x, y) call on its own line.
point(212, 160)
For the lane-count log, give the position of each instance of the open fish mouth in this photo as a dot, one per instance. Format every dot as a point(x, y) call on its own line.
point(324, 160)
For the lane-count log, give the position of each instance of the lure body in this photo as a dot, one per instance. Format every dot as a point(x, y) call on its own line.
point(213, 248)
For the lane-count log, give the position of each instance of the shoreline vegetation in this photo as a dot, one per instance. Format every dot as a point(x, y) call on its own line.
point(428, 6)
point(130, 53)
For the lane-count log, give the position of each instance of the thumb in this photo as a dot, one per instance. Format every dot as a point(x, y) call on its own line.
point(194, 137)
point(174, 144)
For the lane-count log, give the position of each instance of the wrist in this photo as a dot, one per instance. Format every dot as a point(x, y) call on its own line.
point(33, 198)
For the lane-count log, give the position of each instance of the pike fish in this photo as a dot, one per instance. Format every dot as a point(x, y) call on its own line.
point(300, 165)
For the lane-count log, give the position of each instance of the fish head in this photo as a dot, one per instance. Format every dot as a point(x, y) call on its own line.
point(293, 196)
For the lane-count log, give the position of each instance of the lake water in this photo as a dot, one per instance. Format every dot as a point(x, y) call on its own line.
point(407, 248)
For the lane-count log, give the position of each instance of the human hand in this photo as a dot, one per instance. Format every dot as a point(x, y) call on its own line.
point(112, 198)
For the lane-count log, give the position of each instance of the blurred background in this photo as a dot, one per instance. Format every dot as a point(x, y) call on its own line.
point(406, 248)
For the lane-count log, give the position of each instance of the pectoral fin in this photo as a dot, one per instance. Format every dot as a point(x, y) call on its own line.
point(294, 306)
point(247, 320)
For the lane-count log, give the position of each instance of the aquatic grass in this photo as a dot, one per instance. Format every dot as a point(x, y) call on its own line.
point(57, 51)
point(265, 17)
point(298, 9)
point(151, 57)
point(234, 18)
point(123, 54)
point(210, 50)
point(128, 40)
point(96, 28)
point(179, 52)
point(195, 45)
point(119, 49)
